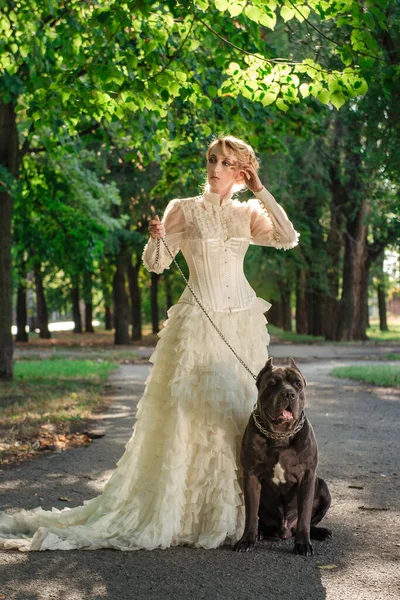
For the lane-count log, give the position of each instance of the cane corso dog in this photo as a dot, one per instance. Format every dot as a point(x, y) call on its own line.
point(283, 495)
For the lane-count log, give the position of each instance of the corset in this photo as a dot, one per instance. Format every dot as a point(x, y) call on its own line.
point(216, 274)
point(214, 237)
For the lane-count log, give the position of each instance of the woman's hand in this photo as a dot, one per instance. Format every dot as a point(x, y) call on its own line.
point(156, 228)
point(250, 177)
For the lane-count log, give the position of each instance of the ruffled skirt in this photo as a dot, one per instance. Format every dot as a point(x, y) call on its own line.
point(178, 481)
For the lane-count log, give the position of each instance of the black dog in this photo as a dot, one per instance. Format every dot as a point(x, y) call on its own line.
point(283, 496)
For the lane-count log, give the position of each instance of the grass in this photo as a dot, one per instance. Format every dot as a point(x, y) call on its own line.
point(60, 394)
point(101, 343)
point(384, 375)
point(94, 354)
point(392, 356)
point(374, 334)
point(57, 369)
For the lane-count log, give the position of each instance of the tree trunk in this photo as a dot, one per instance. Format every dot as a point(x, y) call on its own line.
point(76, 312)
point(22, 313)
point(334, 250)
point(286, 308)
point(314, 299)
point(382, 308)
point(8, 160)
point(106, 286)
point(136, 299)
point(352, 323)
point(43, 320)
point(382, 297)
point(154, 302)
point(87, 296)
point(121, 303)
point(108, 318)
point(275, 314)
point(301, 309)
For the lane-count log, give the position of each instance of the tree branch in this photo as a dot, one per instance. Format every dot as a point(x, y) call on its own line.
point(28, 150)
point(330, 39)
point(173, 57)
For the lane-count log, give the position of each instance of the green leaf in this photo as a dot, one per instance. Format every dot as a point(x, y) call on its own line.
point(202, 4)
point(287, 13)
point(235, 8)
point(361, 87)
point(221, 5)
point(305, 89)
point(324, 96)
point(282, 105)
point(337, 99)
point(268, 98)
point(302, 12)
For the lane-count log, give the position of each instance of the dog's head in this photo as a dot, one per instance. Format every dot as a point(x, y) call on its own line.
point(281, 395)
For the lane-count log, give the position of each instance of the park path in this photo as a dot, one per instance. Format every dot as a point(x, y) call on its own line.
point(303, 352)
point(356, 425)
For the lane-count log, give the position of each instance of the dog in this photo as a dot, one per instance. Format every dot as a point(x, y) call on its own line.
point(283, 495)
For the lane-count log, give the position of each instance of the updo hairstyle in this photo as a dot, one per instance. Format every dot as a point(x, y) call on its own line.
point(232, 145)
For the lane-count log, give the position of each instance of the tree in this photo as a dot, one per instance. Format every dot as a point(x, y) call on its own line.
point(68, 66)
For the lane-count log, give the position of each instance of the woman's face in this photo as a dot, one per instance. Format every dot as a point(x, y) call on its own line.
point(222, 170)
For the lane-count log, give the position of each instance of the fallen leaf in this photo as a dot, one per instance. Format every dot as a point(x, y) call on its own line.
point(327, 566)
point(65, 499)
point(356, 487)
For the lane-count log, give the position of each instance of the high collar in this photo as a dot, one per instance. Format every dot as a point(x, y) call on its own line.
point(215, 198)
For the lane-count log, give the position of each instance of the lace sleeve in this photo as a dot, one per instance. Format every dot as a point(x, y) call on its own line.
point(155, 257)
point(269, 224)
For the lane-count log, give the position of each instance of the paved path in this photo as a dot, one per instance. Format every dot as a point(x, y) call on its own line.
point(356, 425)
point(363, 351)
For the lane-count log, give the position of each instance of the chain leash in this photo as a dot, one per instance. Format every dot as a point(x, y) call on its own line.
point(277, 435)
point(260, 427)
point(200, 303)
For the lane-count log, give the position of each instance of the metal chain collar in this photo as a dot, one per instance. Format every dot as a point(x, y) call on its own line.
point(277, 435)
point(200, 304)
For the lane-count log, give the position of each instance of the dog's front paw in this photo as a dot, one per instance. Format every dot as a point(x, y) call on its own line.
point(320, 533)
point(244, 545)
point(304, 549)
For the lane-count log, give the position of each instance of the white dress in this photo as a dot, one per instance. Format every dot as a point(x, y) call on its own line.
point(178, 481)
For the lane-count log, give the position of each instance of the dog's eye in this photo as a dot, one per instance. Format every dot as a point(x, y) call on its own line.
point(272, 382)
point(298, 384)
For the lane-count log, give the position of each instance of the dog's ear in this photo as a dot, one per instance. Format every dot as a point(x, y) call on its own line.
point(267, 367)
point(294, 366)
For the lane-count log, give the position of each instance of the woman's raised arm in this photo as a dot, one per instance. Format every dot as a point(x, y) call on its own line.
point(269, 224)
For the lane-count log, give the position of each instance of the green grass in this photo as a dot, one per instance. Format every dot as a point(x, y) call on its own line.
point(56, 369)
point(291, 336)
point(60, 392)
point(385, 375)
point(94, 354)
point(374, 334)
point(392, 356)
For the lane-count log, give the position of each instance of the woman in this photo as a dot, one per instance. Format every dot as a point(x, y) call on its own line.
point(178, 481)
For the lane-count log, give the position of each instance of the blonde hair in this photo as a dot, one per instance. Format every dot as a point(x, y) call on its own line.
point(233, 145)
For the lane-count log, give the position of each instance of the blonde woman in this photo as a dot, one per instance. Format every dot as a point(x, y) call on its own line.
point(178, 481)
